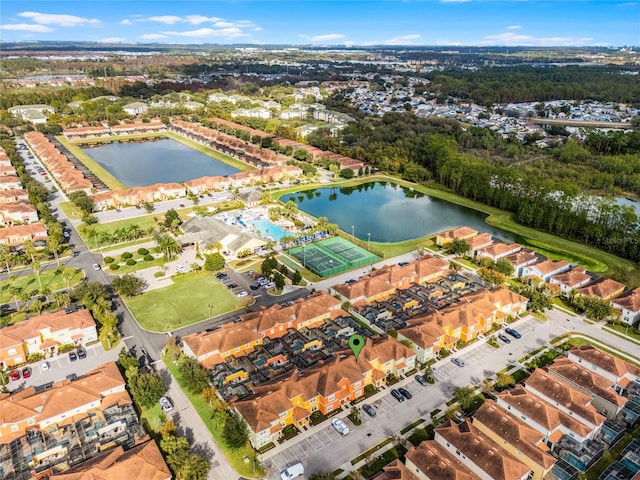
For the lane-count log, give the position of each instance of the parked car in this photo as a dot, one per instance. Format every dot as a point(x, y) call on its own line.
point(96, 267)
point(513, 333)
point(232, 285)
point(253, 287)
point(73, 356)
point(270, 285)
point(458, 362)
point(82, 353)
point(397, 395)
point(369, 410)
point(165, 404)
point(504, 338)
point(420, 379)
point(294, 471)
point(44, 366)
point(241, 294)
point(251, 272)
point(181, 268)
point(26, 372)
point(14, 375)
point(340, 426)
point(403, 264)
point(182, 205)
point(405, 393)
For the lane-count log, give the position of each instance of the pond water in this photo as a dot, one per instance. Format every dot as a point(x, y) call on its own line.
point(389, 212)
point(159, 161)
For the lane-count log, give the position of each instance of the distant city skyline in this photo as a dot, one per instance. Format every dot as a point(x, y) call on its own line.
point(329, 22)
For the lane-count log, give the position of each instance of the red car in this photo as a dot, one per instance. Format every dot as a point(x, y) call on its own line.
point(26, 372)
point(14, 375)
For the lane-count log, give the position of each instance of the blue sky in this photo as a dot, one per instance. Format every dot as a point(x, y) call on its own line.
point(328, 22)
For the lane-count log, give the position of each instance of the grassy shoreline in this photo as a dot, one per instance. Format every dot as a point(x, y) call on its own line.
point(554, 247)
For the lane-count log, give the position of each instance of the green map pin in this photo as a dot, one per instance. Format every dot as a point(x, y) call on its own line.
point(356, 343)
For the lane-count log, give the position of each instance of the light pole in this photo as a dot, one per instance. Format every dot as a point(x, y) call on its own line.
point(304, 258)
point(210, 307)
point(353, 231)
point(368, 241)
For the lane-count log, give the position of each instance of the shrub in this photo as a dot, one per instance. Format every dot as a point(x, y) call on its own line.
point(114, 266)
point(143, 252)
point(148, 258)
point(158, 274)
point(131, 262)
point(108, 260)
point(126, 255)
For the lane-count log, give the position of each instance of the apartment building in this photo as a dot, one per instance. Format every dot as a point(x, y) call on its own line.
point(622, 374)
point(16, 235)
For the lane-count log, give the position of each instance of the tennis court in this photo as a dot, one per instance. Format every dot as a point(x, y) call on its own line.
point(332, 256)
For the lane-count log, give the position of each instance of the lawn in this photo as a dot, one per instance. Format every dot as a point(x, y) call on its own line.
point(90, 233)
point(235, 457)
point(185, 302)
point(51, 280)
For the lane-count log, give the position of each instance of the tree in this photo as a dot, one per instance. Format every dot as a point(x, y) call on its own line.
point(195, 376)
point(458, 247)
point(172, 220)
point(147, 388)
point(128, 363)
point(195, 467)
point(346, 173)
point(464, 396)
point(503, 266)
point(5, 256)
point(129, 285)
point(493, 278)
point(297, 278)
point(235, 432)
point(504, 380)
point(278, 279)
point(149, 207)
point(83, 201)
point(268, 266)
point(213, 262)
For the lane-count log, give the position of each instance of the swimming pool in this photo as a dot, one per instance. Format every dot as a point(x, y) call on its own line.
point(267, 228)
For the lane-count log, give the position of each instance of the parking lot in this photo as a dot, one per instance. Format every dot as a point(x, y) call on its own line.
point(298, 452)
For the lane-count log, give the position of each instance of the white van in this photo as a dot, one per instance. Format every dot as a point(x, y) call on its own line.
point(294, 471)
point(181, 269)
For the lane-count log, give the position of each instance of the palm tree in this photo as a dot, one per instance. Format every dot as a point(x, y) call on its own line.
point(35, 266)
point(15, 293)
point(5, 256)
point(61, 299)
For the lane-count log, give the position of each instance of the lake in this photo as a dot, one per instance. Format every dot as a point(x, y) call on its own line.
point(159, 161)
point(389, 212)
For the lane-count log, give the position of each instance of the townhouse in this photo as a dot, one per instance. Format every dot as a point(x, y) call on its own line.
point(383, 282)
point(144, 461)
point(10, 182)
point(17, 213)
point(546, 269)
point(47, 430)
point(479, 242)
point(629, 307)
point(571, 280)
point(479, 453)
point(512, 434)
point(622, 374)
point(396, 470)
point(43, 334)
point(431, 461)
point(8, 170)
point(13, 196)
point(604, 289)
point(498, 250)
point(604, 398)
point(522, 258)
point(16, 235)
point(324, 387)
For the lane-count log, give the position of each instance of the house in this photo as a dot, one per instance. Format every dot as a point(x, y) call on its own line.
point(16, 235)
point(479, 242)
point(479, 453)
point(44, 334)
point(13, 196)
point(603, 396)
point(498, 250)
point(142, 462)
point(546, 269)
point(616, 370)
point(629, 307)
point(10, 182)
point(32, 113)
point(604, 289)
point(12, 213)
point(516, 437)
point(571, 280)
point(461, 233)
point(521, 259)
point(396, 470)
point(431, 461)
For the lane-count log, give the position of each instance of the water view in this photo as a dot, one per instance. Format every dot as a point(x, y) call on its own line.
point(389, 212)
point(160, 161)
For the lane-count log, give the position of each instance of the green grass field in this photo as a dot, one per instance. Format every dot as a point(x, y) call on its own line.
point(184, 302)
point(145, 222)
point(50, 279)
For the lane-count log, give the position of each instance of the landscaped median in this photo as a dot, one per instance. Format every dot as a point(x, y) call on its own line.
point(192, 297)
point(25, 285)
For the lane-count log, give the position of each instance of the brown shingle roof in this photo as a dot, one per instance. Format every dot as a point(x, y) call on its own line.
point(433, 461)
point(605, 288)
point(604, 360)
point(630, 301)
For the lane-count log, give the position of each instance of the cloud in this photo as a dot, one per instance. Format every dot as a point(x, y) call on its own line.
point(152, 36)
point(198, 19)
point(126, 21)
point(514, 27)
point(402, 40)
point(112, 40)
point(514, 39)
point(328, 36)
point(58, 20)
point(166, 19)
point(233, 32)
point(27, 27)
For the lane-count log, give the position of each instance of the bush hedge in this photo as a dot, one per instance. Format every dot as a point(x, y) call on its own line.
point(131, 262)
point(126, 255)
point(143, 251)
point(149, 258)
point(109, 260)
point(114, 266)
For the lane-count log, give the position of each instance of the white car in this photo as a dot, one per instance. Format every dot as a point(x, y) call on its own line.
point(294, 471)
point(181, 269)
point(165, 404)
point(44, 366)
point(340, 426)
point(241, 294)
point(96, 267)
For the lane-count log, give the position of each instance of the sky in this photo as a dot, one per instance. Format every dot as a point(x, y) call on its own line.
point(329, 22)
